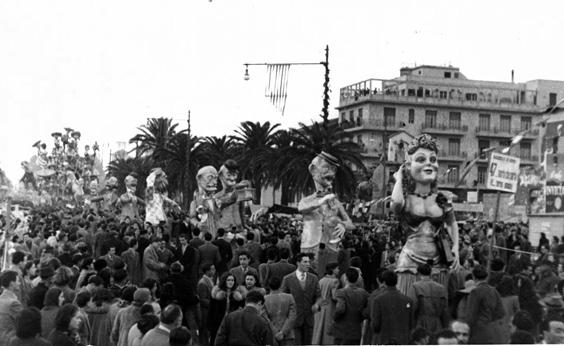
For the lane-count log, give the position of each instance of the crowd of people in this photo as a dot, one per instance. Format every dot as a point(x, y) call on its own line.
point(84, 277)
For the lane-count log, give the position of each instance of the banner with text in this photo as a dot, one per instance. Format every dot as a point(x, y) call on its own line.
point(554, 188)
point(503, 173)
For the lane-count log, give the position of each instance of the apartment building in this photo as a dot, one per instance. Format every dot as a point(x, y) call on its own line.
point(465, 115)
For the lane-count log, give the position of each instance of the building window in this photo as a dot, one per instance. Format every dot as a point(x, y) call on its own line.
point(389, 116)
point(471, 96)
point(484, 122)
point(456, 75)
point(525, 150)
point(351, 117)
point(430, 119)
point(526, 123)
point(410, 92)
point(505, 123)
point(447, 74)
point(552, 99)
point(454, 146)
point(343, 117)
point(411, 118)
point(443, 94)
point(452, 177)
point(483, 145)
point(359, 119)
point(482, 174)
point(454, 120)
point(359, 140)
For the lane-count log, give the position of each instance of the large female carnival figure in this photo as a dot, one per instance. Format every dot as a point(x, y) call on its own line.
point(155, 198)
point(325, 218)
point(425, 215)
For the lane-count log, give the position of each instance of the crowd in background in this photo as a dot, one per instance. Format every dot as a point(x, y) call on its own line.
point(78, 277)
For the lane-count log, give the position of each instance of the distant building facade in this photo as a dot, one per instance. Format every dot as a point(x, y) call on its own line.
point(466, 116)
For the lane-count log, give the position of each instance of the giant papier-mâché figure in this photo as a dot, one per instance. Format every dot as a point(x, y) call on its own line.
point(232, 215)
point(324, 217)
point(205, 209)
point(129, 202)
point(426, 216)
point(155, 197)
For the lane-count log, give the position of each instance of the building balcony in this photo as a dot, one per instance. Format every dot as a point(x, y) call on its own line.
point(493, 132)
point(529, 160)
point(532, 134)
point(444, 129)
point(446, 156)
point(373, 125)
point(365, 91)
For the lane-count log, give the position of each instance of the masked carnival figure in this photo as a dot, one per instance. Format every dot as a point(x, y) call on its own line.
point(155, 198)
point(324, 217)
point(105, 202)
point(129, 202)
point(233, 215)
point(205, 209)
point(28, 179)
point(426, 216)
point(74, 186)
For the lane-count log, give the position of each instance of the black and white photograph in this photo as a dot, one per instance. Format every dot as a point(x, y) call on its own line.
point(281, 172)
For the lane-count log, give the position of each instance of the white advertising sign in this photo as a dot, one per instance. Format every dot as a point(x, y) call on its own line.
point(503, 173)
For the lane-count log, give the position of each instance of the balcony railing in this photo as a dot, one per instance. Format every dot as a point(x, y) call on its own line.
point(444, 128)
point(528, 159)
point(451, 181)
point(461, 156)
point(493, 132)
point(378, 124)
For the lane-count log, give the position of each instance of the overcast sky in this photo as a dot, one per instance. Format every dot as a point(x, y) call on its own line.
point(103, 67)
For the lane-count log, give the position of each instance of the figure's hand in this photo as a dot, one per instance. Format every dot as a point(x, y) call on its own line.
point(327, 198)
point(262, 211)
point(279, 336)
point(315, 308)
point(243, 184)
point(339, 231)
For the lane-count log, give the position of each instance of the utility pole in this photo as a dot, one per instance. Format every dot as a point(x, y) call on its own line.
point(325, 109)
point(186, 197)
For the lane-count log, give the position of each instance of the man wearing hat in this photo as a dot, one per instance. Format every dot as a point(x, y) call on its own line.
point(37, 293)
point(325, 218)
point(128, 316)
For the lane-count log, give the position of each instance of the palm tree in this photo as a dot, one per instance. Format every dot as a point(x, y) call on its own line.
point(140, 167)
point(218, 149)
point(154, 137)
point(291, 163)
point(182, 148)
point(255, 150)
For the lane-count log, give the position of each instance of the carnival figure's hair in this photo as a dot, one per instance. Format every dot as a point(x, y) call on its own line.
point(423, 141)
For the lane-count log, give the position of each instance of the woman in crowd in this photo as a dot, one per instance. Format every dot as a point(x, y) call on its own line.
point(28, 329)
point(53, 300)
point(324, 319)
point(251, 284)
point(510, 302)
point(529, 301)
point(226, 297)
point(426, 216)
point(66, 325)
